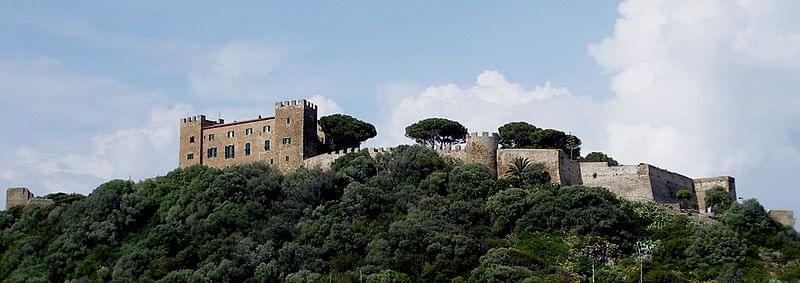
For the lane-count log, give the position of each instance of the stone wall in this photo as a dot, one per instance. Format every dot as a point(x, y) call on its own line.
point(570, 170)
point(627, 181)
point(783, 216)
point(703, 185)
point(258, 134)
point(17, 197)
point(547, 157)
point(665, 185)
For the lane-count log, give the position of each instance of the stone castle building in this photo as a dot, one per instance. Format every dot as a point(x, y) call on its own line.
point(284, 140)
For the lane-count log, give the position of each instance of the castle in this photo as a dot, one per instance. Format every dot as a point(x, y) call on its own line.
point(293, 139)
point(283, 141)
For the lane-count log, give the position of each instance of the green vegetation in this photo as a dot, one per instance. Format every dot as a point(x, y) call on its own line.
point(345, 131)
point(433, 131)
point(524, 135)
point(405, 216)
point(718, 199)
point(599, 157)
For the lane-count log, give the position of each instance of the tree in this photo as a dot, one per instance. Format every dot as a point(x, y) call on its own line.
point(555, 139)
point(433, 131)
point(516, 134)
point(599, 157)
point(524, 173)
point(684, 195)
point(345, 131)
point(718, 199)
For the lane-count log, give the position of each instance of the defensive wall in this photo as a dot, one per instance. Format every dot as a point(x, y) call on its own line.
point(641, 182)
point(23, 197)
point(783, 216)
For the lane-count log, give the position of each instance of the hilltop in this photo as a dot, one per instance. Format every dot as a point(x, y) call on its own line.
point(406, 215)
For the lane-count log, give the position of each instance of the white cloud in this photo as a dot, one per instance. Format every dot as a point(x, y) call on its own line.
point(325, 105)
point(234, 70)
point(701, 87)
point(493, 100)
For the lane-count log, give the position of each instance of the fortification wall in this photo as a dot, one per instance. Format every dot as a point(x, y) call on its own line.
point(324, 161)
point(456, 152)
point(547, 157)
point(703, 185)
point(627, 181)
point(665, 185)
point(783, 216)
point(17, 197)
point(570, 170)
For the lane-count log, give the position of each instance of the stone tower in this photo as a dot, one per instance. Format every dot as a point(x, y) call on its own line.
point(296, 133)
point(17, 197)
point(191, 140)
point(482, 149)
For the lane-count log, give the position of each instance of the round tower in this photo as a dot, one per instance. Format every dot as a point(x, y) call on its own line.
point(482, 149)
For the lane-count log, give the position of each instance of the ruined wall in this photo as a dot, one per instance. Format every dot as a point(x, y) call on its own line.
point(703, 185)
point(324, 161)
point(627, 181)
point(783, 216)
point(17, 197)
point(547, 157)
point(666, 184)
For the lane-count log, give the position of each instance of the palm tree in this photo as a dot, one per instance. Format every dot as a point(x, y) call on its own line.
point(517, 168)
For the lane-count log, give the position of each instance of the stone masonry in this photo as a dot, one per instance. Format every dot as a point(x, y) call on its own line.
point(23, 197)
point(17, 197)
point(284, 140)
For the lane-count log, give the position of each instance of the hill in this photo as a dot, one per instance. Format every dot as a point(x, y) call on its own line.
point(408, 215)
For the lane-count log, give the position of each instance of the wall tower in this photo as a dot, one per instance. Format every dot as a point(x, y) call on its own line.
point(191, 140)
point(482, 149)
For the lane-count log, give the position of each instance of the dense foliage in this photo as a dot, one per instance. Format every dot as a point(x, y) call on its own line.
point(599, 157)
point(433, 131)
point(345, 131)
point(408, 215)
point(525, 135)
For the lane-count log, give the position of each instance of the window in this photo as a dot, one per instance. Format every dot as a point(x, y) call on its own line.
point(271, 161)
point(212, 152)
point(190, 156)
point(248, 131)
point(288, 120)
point(247, 149)
point(266, 145)
point(266, 129)
point(210, 137)
point(231, 134)
point(287, 158)
point(191, 139)
point(287, 140)
point(229, 151)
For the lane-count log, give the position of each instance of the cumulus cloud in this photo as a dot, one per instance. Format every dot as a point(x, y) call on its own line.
point(700, 87)
point(325, 105)
point(234, 70)
point(484, 105)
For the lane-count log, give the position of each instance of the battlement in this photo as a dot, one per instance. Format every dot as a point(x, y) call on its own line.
point(451, 148)
point(482, 134)
point(196, 118)
point(293, 103)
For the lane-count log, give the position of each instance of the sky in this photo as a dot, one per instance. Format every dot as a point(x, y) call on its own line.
point(94, 91)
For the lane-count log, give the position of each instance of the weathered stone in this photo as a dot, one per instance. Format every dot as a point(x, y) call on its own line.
point(783, 216)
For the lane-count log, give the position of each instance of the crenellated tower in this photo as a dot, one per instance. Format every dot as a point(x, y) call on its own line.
point(296, 134)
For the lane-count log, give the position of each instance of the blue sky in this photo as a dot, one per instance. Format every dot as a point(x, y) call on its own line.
point(94, 90)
